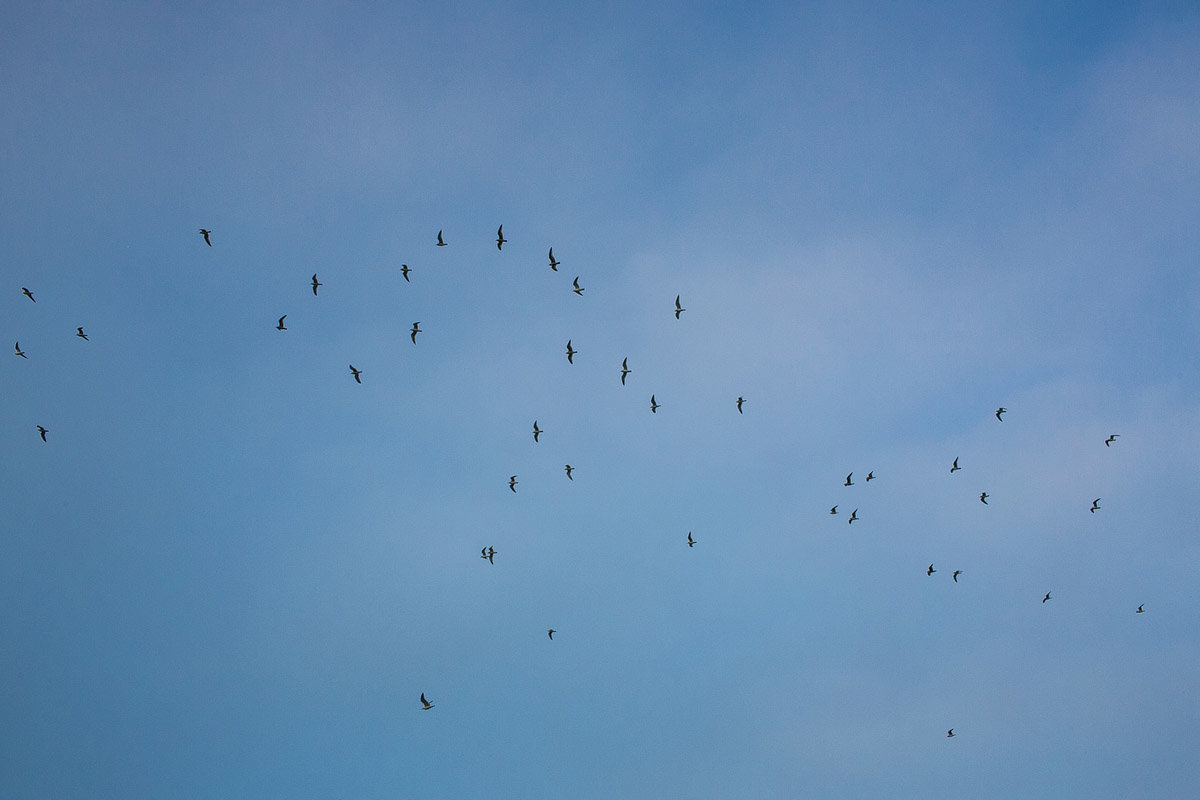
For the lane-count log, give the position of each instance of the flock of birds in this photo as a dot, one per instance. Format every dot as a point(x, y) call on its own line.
point(488, 553)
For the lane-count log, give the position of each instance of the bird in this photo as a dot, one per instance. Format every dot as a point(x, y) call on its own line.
point(1047, 597)
point(500, 240)
point(691, 541)
point(42, 431)
point(848, 481)
point(625, 370)
point(853, 516)
point(536, 431)
point(930, 571)
point(512, 484)
point(833, 510)
point(1140, 610)
point(280, 327)
point(315, 284)
point(356, 372)
point(19, 352)
point(1000, 411)
point(950, 733)
point(654, 405)
point(27, 293)
point(568, 468)
point(870, 476)
point(483, 553)
point(404, 270)
point(578, 289)
point(205, 232)
point(1111, 439)
point(550, 632)
point(426, 705)
point(79, 332)
point(955, 575)
point(1095, 505)
point(440, 242)
point(983, 496)
point(955, 467)
point(416, 328)
point(553, 264)
point(570, 353)
point(678, 308)
point(740, 400)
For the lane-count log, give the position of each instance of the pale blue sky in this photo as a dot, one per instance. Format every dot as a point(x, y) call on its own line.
point(230, 570)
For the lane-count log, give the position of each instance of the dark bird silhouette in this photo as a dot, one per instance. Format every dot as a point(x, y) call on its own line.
point(404, 270)
point(853, 516)
point(553, 264)
point(536, 431)
point(833, 510)
point(27, 293)
point(1000, 411)
point(691, 541)
point(740, 400)
point(1111, 439)
point(19, 352)
point(930, 571)
point(205, 232)
point(570, 353)
point(500, 240)
point(870, 476)
point(568, 469)
point(678, 308)
point(42, 431)
point(955, 467)
point(654, 405)
point(1047, 597)
point(1095, 505)
point(1140, 610)
point(983, 496)
point(625, 370)
point(79, 332)
point(280, 327)
point(416, 328)
point(356, 372)
point(950, 733)
point(578, 289)
point(490, 556)
point(550, 632)
point(440, 242)
point(512, 484)
point(848, 481)
point(425, 704)
point(315, 284)
point(955, 574)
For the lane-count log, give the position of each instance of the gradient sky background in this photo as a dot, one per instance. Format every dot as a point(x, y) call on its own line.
point(231, 570)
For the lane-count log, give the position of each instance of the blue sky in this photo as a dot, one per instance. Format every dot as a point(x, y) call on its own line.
point(230, 570)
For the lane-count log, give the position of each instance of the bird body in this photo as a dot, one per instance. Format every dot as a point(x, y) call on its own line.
point(512, 484)
point(425, 704)
point(955, 575)
point(578, 289)
point(416, 328)
point(654, 405)
point(356, 373)
point(931, 570)
point(691, 541)
point(27, 293)
point(678, 308)
point(853, 516)
point(315, 284)
point(204, 232)
point(280, 327)
point(833, 510)
point(440, 242)
point(870, 476)
point(1111, 439)
point(740, 400)
point(1140, 610)
point(568, 469)
point(79, 332)
point(955, 467)
point(848, 481)
point(500, 240)
point(553, 264)
point(625, 370)
point(983, 496)
point(1000, 411)
point(1095, 505)
point(550, 632)
point(536, 431)
point(1047, 597)
point(570, 353)
point(404, 270)
point(42, 431)
point(950, 733)
point(19, 351)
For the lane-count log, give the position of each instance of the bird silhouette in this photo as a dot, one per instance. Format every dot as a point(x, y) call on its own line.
point(416, 328)
point(955, 467)
point(853, 516)
point(356, 372)
point(848, 481)
point(570, 353)
point(79, 332)
point(625, 370)
point(490, 554)
point(678, 308)
point(536, 431)
point(654, 405)
point(205, 232)
point(19, 351)
point(691, 541)
point(42, 431)
point(1140, 610)
point(440, 242)
point(1095, 505)
point(568, 469)
point(1047, 597)
point(27, 293)
point(950, 733)
point(425, 704)
point(404, 270)
point(578, 289)
point(955, 574)
point(550, 632)
point(1000, 411)
point(553, 264)
point(833, 510)
point(930, 571)
point(740, 400)
point(983, 496)
point(1111, 439)
point(870, 476)
point(315, 284)
point(280, 327)
point(500, 240)
point(512, 484)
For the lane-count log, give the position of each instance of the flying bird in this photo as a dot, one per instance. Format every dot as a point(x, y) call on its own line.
point(483, 553)
point(625, 370)
point(19, 352)
point(870, 476)
point(833, 510)
point(42, 431)
point(578, 289)
point(1047, 597)
point(1140, 609)
point(205, 232)
point(678, 308)
point(416, 328)
point(1000, 411)
point(440, 242)
point(1095, 505)
point(930, 571)
point(568, 468)
point(79, 332)
point(950, 733)
point(426, 705)
point(536, 431)
point(654, 405)
point(512, 484)
point(404, 270)
point(955, 575)
point(740, 400)
point(553, 264)
point(550, 632)
point(955, 467)
point(356, 372)
point(570, 353)
point(691, 541)
point(500, 240)
point(853, 516)
point(27, 293)
point(983, 496)
point(1111, 439)
point(315, 284)
point(280, 327)
point(848, 481)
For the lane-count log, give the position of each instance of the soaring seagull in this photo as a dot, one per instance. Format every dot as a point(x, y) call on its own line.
point(205, 232)
point(426, 705)
point(950, 733)
point(1095, 505)
point(27, 293)
point(416, 328)
point(691, 541)
point(280, 327)
point(848, 481)
point(931, 570)
point(315, 284)
point(489, 553)
point(570, 353)
point(955, 575)
point(536, 431)
point(440, 242)
point(870, 476)
point(550, 633)
point(512, 484)
point(356, 372)
point(1111, 439)
point(740, 400)
point(625, 370)
point(568, 468)
point(20, 352)
point(500, 240)
point(983, 496)
point(553, 264)
point(79, 332)
point(1140, 610)
point(833, 510)
point(853, 516)
point(1047, 597)
point(955, 467)
point(578, 289)
point(678, 308)
point(404, 270)
point(42, 431)
point(1000, 411)
point(654, 405)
